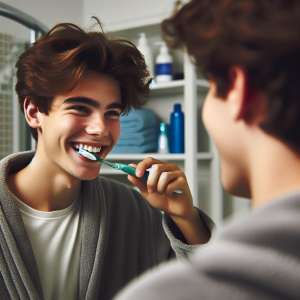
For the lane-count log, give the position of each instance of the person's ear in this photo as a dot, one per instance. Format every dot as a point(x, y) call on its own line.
point(245, 103)
point(237, 95)
point(31, 113)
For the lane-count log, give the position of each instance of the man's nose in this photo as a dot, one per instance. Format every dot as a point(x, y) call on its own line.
point(97, 126)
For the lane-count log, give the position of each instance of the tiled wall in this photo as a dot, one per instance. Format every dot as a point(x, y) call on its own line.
point(6, 125)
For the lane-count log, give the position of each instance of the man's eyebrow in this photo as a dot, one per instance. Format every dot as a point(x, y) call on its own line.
point(82, 100)
point(116, 105)
point(91, 102)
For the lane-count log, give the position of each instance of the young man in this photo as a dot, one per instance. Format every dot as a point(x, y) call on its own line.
point(249, 50)
point(67, 233)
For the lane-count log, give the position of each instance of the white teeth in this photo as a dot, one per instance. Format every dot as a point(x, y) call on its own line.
point(88, 148)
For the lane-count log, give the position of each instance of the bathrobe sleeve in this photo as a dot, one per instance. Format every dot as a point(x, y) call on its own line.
point(179, 245)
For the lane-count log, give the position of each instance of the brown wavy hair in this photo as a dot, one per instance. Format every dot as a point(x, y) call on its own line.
point(58, 60)
point(260, 36)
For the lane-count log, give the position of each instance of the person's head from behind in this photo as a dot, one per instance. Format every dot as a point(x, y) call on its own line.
point(249, 50)
point(72, 86)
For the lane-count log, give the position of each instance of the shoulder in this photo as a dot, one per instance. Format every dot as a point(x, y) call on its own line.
point(233, 266)
point(12, 164)
point(267, 226)
point(16, 161)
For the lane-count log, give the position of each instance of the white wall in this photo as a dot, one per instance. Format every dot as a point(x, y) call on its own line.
point(114, 13)
point(49, 12)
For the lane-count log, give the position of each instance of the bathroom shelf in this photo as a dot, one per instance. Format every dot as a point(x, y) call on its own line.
point(141, 156)
point(167, 85)
point(205, 156)
point(175, 87)
point(177, 83)
point(159, 156)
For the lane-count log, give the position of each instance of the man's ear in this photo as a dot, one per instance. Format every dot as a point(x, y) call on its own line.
point(237, 96)
point(31, 113)
point(245, 103)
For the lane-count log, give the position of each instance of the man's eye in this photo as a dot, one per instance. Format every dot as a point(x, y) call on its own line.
point(80, 108)
point(113, 113)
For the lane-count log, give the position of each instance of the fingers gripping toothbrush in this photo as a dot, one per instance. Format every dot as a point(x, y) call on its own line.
point(125, 168)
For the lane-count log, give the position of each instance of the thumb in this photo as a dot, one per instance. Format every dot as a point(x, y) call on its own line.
point(142, 185)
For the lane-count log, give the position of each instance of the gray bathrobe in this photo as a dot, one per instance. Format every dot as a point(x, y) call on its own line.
point(123, 236)
point(255, 258)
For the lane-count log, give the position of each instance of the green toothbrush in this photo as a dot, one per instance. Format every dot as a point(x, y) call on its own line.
point(126, 169)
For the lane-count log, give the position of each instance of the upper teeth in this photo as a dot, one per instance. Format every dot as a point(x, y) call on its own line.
point(88, 148)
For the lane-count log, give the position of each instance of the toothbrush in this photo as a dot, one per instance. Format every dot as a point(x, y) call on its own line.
point(126, 169)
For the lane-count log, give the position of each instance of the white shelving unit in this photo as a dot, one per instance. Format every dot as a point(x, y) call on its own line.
point(200, 161)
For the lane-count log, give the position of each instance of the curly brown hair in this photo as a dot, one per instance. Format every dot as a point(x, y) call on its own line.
point(260, 36)
point(58, 60)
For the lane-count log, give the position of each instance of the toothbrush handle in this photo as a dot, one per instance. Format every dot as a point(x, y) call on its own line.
point(131, 171)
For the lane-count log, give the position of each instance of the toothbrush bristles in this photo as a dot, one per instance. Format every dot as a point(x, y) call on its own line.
point(92, 156)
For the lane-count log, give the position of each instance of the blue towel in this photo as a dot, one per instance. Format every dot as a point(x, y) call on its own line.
point(146, 148)
point(137, 120)
point(138, 138)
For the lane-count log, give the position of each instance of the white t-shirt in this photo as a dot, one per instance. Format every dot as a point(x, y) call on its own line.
point(56, 240)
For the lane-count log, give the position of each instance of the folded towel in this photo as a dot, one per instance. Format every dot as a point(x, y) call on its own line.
point(149, 147)
point(138, 138)
point(138, 119)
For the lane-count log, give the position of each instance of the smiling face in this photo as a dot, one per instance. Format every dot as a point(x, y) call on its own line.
point(87, 116)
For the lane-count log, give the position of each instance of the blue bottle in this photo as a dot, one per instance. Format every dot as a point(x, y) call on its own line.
point(177, 130)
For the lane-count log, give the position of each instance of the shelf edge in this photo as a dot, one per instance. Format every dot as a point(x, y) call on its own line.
point(204, 156)
point(142, 156)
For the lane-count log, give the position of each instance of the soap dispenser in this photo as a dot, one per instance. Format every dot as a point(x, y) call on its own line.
point(163, 63)
point(146, 51)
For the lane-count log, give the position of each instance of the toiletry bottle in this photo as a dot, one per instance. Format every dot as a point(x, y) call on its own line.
point(163, 143)
point(146, 51)
point(163, 63)
point(177, 130)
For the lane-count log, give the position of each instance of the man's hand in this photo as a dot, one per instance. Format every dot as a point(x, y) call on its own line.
point(163, 180)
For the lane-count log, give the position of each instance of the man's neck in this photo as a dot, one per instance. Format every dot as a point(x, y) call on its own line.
point(275, 172)
point(43, 188)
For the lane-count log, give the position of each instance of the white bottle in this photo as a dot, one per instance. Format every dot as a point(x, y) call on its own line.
point(164, 62)
point(163, 143)
point(146, 51)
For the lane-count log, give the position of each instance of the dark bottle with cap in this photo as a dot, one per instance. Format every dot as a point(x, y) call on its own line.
point(176, 141)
